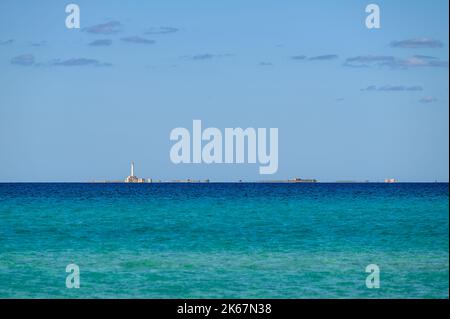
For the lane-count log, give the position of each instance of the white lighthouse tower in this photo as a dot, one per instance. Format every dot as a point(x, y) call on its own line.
point(132, 178)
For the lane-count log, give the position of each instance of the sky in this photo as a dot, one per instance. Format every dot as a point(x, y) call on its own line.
point(350, 103)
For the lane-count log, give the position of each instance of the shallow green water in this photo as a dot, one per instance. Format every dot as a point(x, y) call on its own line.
point(224, 240)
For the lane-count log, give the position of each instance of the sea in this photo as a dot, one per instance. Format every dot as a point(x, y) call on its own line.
point(224, 240)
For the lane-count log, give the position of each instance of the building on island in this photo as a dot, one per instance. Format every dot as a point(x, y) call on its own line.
point(390, 180)
point(195, 181)
point(132, 178)
point(301, 180)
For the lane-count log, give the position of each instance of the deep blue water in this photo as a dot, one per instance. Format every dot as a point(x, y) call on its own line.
point(224, 240)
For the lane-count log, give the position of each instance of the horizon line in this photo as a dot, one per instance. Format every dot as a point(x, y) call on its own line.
point(219, 182)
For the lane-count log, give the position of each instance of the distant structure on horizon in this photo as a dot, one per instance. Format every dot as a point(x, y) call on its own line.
point(294, 180)
point(390, 180)
point(302, 180)
point(132, 178)
point(195, 181)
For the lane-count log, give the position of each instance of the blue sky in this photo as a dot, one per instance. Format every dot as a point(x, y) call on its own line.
point(350, 103)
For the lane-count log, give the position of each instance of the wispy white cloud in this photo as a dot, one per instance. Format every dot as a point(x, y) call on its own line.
point(428, 99)
point(298, 57)
point(323, 57)
point(393, 88)
point(161, 30)
point(205, 56)
point(394, 62)
point(79, 62)
point(29, 60)
point(110, 27)
point(5, 42)
point(417, 43)
point(38, 43)
point(101, 43)
point(138, 40)
point(23, 60)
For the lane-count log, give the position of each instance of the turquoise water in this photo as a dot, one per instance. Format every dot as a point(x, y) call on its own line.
point(224, 240)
